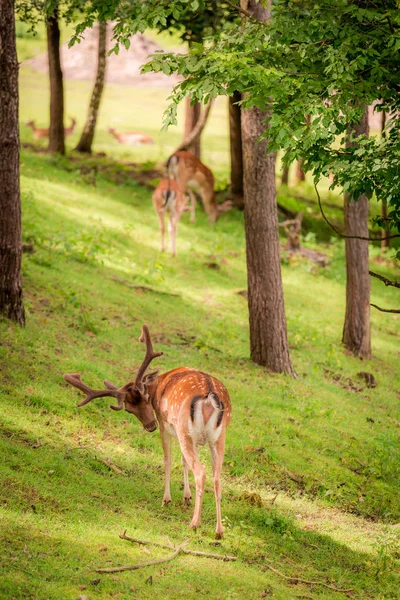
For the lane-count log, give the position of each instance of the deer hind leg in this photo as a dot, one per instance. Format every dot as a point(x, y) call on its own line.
point(187, 495)
point(217, 458)
point(162, 230)
point(192, 200)
point(189, 452)
point(166, 444)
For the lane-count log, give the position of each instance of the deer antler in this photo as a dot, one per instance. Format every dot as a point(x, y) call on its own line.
point(75, 380)
point(150, 355)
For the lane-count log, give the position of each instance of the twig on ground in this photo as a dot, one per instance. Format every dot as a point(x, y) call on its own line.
point(307, 582)
point(149, 563)
point(109, 464)
point(144, 288)
point(123, 536)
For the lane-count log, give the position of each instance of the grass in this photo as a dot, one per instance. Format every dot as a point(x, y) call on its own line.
point(311, 472)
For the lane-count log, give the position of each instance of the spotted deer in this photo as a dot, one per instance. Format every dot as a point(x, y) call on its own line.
point(185, 168)
point(189, 405)
point(131, 138)
point(168, 197)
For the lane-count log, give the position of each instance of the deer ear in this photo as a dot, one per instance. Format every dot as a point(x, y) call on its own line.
point(150, 377)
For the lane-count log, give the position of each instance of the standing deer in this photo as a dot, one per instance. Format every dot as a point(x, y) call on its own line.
point(189, 171)
point(40, 133)
point(189, 405)
point(169, 197)
point(131, 138)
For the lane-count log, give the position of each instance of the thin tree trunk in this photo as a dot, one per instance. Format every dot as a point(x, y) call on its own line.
point(11, 305)
point(56, 130)
point(300, 175)
point(268, 333)
point(385, 242)
point(285, 176)
point(235, 136)
point(356, 331)
point(85, 143)
point(192, 116)
point(195, 134)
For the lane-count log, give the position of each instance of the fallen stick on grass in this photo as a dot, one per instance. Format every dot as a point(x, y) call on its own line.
point(158, 561)
point(224, 557)
point(298, 580)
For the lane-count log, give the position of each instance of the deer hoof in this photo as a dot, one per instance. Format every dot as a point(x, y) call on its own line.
point(219, 535)
point(187, 500)
point(166, 501)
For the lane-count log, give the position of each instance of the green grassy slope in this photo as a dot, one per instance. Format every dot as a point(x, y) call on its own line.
point(311, 481)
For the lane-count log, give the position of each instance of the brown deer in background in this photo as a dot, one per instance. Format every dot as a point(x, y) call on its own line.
point(189, 171)
point(168, 197)
point(131, 138)
point(189, 405)
point(40, 133)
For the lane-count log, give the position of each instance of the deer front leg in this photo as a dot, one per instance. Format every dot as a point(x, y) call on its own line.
point(173, 231)
point(187, 495)
point(166, 444)
point(192, 197)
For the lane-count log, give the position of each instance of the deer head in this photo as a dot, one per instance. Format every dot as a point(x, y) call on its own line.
point(134, 396)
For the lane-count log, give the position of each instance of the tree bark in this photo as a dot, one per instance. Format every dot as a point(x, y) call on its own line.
point(356, 331)
point(300, 175)
point(192, 116)
point(11, 304)
point(268, 333)
point(285, 176)
point(385, 242)
point(86, 140)
point(56, 130)
point(235, 136)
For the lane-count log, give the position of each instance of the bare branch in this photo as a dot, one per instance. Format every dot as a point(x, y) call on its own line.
point(349, 237)
point(158, 561)
point(223, 557)
point(387, 310)
point(385, 280)
point(298, 580)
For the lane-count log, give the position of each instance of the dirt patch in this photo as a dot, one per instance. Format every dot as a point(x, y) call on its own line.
point(79, 62)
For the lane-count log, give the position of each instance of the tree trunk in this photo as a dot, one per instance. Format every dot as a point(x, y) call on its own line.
point(356, 331)
point(385, 242)
point(56, 130)
point(285, 176)
point(268, 334)
point(11, 305)
point(300, 175)
point(192, 116)
point(235, 135)
point(85, 143)
point(195, 134)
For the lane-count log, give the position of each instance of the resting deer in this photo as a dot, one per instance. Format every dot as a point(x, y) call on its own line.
point(189, 405)
point(131, 138)
point(169, 197)
point(40, 133)
point(189, 171)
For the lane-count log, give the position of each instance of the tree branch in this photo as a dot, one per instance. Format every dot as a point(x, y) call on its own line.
point(158, 561)
point(123, 536)
point(385, 280)
point(387, 310)
point(349, 237)
point(298, 580)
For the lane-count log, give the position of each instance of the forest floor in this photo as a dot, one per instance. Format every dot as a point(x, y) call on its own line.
point(311, 501)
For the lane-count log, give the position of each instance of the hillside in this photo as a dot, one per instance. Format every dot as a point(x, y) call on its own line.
point(310, 478)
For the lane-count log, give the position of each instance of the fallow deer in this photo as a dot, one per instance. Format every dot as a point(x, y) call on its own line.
point(131, 138)
point(40, 133)
point(169, 197)
point(190, 172)
point(189, 405)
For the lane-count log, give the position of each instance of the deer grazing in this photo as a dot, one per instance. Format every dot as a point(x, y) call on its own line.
point(168, 197)
point(188, 171)
point(40, 133)
point(131, 138)
point(189, 405)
